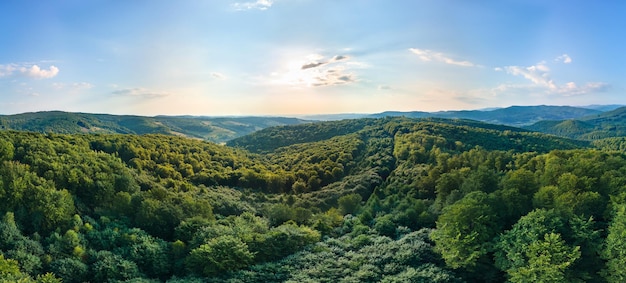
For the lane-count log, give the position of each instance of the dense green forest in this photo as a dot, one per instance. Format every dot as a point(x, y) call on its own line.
point(365, 200)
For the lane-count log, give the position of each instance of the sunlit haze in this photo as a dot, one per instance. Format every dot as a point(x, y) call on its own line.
point(286, 57)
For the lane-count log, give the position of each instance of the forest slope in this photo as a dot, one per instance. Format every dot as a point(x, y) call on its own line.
point(389, 200)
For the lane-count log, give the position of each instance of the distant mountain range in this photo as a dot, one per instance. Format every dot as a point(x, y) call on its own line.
point(589, 122)
point(511, 116)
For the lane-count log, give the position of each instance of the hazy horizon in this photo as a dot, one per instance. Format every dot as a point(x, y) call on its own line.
point(305, 57)
point(331, 116)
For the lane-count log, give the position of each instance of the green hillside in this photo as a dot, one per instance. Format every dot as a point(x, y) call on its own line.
point(215, 129)
point(371, 200)
point(592, 127)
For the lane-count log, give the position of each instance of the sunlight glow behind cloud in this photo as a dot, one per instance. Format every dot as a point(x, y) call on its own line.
point(316, 70)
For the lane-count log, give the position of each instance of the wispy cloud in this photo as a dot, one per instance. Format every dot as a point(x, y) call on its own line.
point(316, 70)
point(28, 70)
point(571, 89)
point(429, 55)
point(253, 5)
point(563, 59)
point(539, 75)
point(72, 86)
point(140, 92)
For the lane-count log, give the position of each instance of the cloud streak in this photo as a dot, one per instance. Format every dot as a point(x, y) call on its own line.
point(429, 55)
point(28, 70)
point(253, 5)
point(314, 61)
point(139, 92)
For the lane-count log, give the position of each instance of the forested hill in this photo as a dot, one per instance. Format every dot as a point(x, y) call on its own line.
point(593, 127)
point(468, 132)
point(215, 129)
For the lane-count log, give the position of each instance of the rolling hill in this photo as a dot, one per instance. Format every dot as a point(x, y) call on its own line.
point(592, 127)
point(215, 129)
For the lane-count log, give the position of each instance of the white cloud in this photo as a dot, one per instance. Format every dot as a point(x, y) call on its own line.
point(429, 55)
point(564, 59)
point(140, 92)
point(28, 70)
point(258, 5)
point(36, 72)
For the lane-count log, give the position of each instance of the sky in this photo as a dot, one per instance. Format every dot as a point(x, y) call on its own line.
point(289, 57)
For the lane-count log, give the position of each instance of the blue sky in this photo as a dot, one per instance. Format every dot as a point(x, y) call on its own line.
point(285, 57)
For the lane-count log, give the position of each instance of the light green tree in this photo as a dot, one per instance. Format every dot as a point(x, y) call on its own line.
point(548, 261)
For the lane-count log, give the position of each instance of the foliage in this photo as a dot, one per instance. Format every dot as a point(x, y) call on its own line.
point(372, 200)
point(220, 254)
point(613, 251)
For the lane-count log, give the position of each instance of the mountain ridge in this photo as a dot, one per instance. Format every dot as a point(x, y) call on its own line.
point(221, 129)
